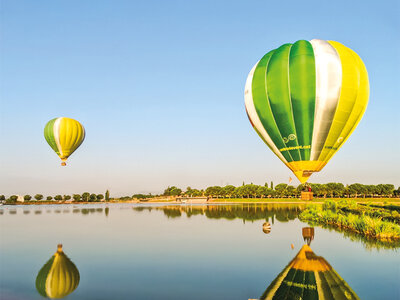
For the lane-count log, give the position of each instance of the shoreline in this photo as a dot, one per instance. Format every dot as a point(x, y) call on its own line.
point(215, 201)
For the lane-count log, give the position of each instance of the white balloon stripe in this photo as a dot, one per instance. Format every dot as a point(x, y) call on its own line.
point(328, 73)
point(56, 132)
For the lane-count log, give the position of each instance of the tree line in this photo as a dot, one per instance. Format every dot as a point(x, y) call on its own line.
point(283, 190)
point(282, 213)
point(85, 197)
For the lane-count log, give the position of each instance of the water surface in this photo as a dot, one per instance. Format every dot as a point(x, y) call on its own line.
point(127, 251)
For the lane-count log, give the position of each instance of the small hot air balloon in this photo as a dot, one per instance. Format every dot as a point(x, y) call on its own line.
point(305, 99)
point(59, 277)
point(64, 135)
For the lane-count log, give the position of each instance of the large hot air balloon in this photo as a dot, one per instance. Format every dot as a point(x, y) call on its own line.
point(59, 277)
point(305, 99)
point(64, 135)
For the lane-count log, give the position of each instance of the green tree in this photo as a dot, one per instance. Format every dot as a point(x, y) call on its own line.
point(385, 189)
point(85, 197)
point(197, 193)
point(92, 197)
point(290, 191)
point(371, 190)
point(281, 188)
point(49, 198)
point(27, 197)
point(251, 190)
point(229, 190)
point(330, 188)
point(363, 190)
point(356, 189)
point(346, 191)
point(323, 189)
point(272, 185)
point(247, 191)
point(100, 197)
point(388, 189)
point(300, 188)
point(211, 191)
point(76, 197)
point(339, 191)
point(67, 197)
point(107, 195)
point(316, 189)
point(58, 197)
point(189, 191)
point(38, 197)
point(379, 189)
point(396, 193)
point(13, 198)
point(172, 191)
point(2, 197)
point(262, 191)
point(238, 192)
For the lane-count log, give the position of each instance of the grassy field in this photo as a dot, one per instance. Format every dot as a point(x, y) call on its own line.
point(381, 222)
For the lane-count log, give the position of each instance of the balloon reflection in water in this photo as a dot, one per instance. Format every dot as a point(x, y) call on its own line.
point(308, 234)
point(309, 276)
point(59, 277)
point(266, 227)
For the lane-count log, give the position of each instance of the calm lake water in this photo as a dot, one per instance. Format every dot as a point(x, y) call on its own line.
point(126, 251)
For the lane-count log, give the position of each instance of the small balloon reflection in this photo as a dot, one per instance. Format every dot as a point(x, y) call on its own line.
point(59, 277)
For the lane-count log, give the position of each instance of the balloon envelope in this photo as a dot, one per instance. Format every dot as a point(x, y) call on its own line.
point(305, 99)
point(64, 135)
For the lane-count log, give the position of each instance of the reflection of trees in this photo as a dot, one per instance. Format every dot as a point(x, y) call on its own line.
point(172, 213)
point(141, 208)
point(195, 212)
point(368, 243)
point(309, 276)
point(86, 211)
point(248, 212)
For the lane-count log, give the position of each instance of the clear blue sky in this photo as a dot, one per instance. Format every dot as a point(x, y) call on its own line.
point(159, 85)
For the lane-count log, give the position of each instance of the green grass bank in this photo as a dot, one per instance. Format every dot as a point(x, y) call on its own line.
point(381, 222)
